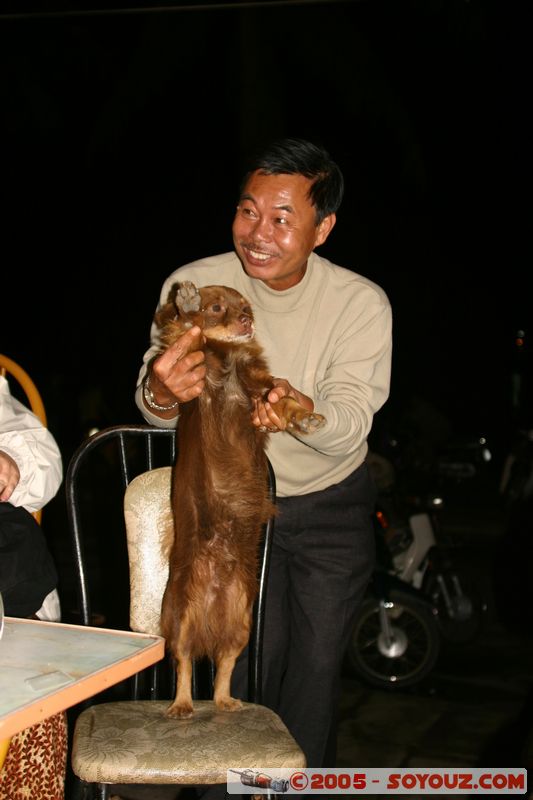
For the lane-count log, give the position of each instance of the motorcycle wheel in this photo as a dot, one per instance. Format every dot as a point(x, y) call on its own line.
point(410, 655)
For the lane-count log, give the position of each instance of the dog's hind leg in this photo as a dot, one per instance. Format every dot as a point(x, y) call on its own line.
point(182, 706)
point(224, 670)
point(238, 621)
point(180, 648)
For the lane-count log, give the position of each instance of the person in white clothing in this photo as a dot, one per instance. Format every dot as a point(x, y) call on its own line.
point(31, 472)
point(326, 332)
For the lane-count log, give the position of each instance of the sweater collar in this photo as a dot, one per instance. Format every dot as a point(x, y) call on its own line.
point(285, 300)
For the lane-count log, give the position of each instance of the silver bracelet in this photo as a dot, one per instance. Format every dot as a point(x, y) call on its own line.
point(150, 400)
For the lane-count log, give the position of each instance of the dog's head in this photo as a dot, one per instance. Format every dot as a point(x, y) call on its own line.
point(222, 313)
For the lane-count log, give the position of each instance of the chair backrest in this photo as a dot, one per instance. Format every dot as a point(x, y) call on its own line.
point(10, 369)
point(149, 531)
point(123, 474)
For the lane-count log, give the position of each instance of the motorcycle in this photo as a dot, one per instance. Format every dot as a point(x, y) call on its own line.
point(396, 641)
point(410, 526)
point(415, 599)
point(418, 557)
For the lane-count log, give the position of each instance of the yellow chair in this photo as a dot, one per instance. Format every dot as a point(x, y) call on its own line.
point(8, 368)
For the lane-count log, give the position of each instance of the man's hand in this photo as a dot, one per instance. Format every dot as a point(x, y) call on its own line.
point(179, 372)
point(9, 476)
point(264, 416)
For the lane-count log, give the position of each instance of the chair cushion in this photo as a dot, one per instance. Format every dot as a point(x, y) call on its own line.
point(150, 532)
point(133, 742)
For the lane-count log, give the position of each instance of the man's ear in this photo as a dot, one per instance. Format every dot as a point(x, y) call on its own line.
point(324, 229)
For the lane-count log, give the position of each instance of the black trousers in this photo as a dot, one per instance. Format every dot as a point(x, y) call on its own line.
point(322, 559)
point(27, 569)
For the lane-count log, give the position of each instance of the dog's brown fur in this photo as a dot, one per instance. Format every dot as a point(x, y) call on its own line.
point(219, 489)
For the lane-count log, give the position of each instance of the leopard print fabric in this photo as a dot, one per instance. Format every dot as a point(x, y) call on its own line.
point(35, 764)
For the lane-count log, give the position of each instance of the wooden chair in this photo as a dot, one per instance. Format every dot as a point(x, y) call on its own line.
point(131, 741)
point(10, 369)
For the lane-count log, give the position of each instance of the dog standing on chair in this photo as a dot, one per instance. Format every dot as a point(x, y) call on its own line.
point(220, 498)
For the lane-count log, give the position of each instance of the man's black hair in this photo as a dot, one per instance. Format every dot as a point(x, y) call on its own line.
point(301, 157)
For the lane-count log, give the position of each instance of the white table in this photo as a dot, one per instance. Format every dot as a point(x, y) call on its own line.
point(47, 667)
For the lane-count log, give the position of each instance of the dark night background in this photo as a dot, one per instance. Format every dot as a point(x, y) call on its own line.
point(124, 134)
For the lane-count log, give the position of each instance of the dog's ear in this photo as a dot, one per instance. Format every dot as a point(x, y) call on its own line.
point(169, 311)
point(172, 294)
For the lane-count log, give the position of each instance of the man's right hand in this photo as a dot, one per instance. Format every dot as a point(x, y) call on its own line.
point(179, 372)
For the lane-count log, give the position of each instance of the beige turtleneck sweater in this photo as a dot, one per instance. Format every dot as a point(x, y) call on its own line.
point(330, 337)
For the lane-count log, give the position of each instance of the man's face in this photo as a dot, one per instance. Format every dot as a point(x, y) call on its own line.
point(275, 230)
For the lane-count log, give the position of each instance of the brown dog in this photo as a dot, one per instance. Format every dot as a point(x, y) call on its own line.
point(219, 489)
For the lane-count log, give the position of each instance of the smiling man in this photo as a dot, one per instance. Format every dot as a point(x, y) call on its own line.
point(276, 228)
point(326, 332)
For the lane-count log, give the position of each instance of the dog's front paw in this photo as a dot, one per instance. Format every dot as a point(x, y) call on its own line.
point(188, 298)
point(179, 711)
point(302, 421)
